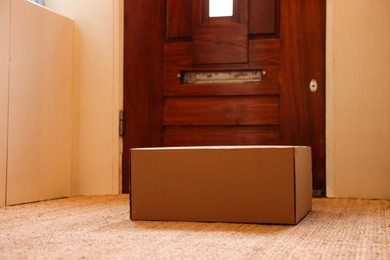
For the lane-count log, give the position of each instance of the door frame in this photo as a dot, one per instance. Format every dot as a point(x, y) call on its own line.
point(329, 101)
point(5, 7)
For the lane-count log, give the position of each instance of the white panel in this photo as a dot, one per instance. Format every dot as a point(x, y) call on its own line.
point(40, 111)
point(99, 58)
point(97, 128)
point(361, 90)
point(4, 73)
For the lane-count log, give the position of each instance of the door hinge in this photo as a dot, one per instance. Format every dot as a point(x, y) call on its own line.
point(121, 123)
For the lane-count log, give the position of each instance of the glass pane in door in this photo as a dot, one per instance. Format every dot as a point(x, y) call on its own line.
point(220, 8)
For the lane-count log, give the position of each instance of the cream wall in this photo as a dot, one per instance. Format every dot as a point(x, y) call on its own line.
point(358, 87)
point(98, 86)
point(4, 88)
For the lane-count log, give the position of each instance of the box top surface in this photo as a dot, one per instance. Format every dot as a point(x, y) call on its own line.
point(231, 147)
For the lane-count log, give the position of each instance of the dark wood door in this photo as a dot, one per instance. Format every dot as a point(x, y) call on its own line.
point(242, 79)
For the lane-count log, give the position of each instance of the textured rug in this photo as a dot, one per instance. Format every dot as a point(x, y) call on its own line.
point(98, 227)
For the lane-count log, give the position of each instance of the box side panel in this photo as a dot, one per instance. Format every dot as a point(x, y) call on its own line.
point(303, 182)
point(132, 162)
point(254, 186)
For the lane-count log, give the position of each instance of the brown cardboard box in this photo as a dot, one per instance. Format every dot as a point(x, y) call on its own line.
point(251, 184)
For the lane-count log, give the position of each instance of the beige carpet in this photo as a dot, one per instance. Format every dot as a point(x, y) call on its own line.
point(98, 227)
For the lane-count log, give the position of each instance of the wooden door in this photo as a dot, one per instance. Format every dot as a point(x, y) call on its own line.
point(242, 79)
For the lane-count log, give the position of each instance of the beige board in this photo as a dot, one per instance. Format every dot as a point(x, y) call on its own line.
point(247, 184)
point(40, 104)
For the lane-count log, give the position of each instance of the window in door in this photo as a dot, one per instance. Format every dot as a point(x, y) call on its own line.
point(220, 8)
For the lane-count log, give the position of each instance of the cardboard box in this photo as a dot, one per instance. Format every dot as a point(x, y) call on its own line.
point(250, 184)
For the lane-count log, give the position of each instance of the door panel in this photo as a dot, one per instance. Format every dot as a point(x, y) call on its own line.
point(302, 113)
point(219, 43)
point(263, 17)
point(178, 20)
point(222, 39)
point(143, 77)
point(243, 110)
point(220, 135)
point(164, 40)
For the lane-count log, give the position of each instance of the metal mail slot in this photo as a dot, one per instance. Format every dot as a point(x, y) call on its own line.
point(221, 77)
